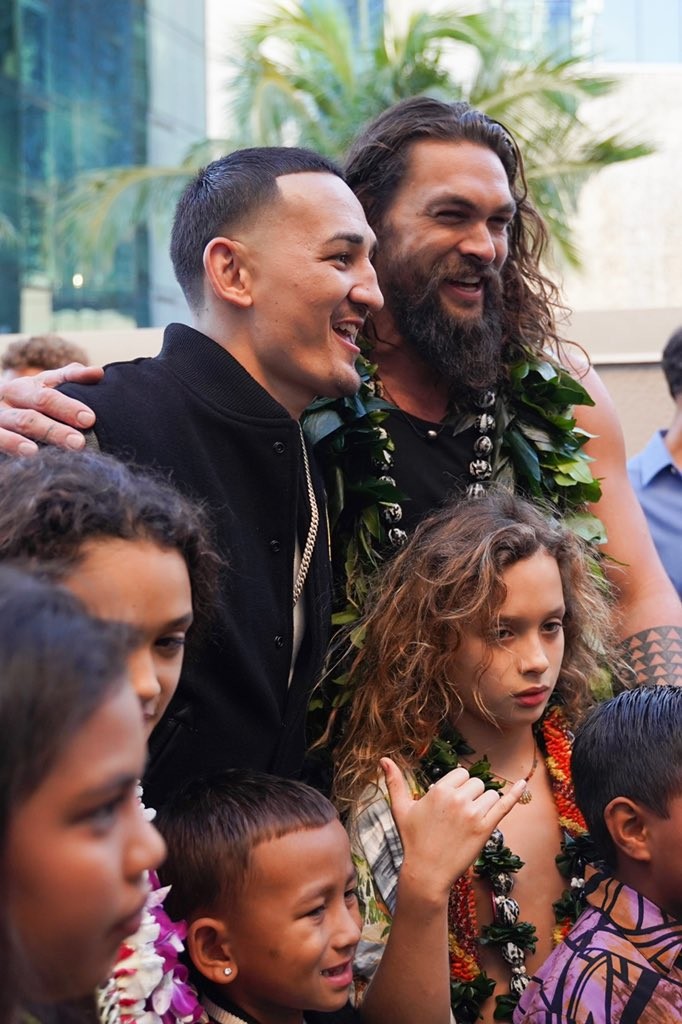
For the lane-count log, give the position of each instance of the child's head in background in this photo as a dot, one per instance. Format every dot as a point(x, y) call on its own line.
point(627, 773)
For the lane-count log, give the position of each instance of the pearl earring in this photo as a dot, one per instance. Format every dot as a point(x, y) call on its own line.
point(227, 971)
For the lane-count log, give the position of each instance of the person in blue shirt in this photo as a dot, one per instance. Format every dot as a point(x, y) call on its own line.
point(655, 472)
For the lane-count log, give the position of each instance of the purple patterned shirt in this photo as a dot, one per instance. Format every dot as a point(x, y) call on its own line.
point(621, 963)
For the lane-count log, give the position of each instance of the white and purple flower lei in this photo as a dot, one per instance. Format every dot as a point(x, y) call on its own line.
point(148, 984)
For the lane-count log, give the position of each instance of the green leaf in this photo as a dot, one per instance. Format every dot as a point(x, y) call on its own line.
point(519, 371)
point(370, 518)
point(577, 469)
point(546, 370)
point(587, 526)
point(344, 618)
point(564, 480)
point(522, 933)
point(538, 435)
point(525, 457)
point(357, 636)
point(320, 424)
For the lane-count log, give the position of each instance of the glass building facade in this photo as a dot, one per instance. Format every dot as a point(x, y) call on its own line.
point(76, 82)
point(619, 31)
point(639, 31)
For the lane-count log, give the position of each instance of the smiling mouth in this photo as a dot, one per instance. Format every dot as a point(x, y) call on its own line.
point(473, 285)
point(349, 332)
point(342, 972)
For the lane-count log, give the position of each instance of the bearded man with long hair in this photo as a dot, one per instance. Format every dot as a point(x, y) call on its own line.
point(466, 353)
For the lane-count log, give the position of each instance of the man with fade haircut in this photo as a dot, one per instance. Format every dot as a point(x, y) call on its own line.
point(272, 251)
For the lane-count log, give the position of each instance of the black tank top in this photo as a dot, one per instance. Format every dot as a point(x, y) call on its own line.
point(430, 463)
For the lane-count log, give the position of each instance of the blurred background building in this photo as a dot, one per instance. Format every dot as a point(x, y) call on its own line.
point(86, 85)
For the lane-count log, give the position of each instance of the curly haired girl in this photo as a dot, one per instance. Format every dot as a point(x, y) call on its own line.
point(482, 641)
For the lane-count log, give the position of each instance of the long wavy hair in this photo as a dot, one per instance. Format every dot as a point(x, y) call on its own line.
point(375, 168)
point(446, 581)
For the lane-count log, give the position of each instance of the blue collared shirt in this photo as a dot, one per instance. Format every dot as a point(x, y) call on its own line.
point(658, 486)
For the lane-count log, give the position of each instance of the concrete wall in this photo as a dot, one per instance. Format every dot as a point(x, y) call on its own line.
point(641, 397)
point(629, 219)
point(107, 346)
point(623, 334)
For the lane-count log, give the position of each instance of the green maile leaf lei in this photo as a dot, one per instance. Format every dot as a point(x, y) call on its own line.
point(497, 862)
point(539, 447)
point(538, 451)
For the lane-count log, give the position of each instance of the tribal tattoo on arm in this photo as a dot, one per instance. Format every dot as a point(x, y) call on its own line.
point(655, 654)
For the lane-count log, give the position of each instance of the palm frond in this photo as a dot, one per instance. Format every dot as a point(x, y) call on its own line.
point(9, 236)
point(303, 76)
point(106, 206)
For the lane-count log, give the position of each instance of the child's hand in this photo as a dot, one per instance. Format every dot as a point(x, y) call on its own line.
point(443, 833)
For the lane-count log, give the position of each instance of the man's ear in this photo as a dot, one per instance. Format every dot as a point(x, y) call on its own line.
point(209, 948)
point(628, 825)
point(227, 272)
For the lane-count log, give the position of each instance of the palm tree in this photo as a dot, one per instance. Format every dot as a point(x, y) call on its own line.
point(9, 236)
point(304, 76)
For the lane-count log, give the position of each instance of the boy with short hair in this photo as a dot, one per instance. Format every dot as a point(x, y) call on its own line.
point(261, 870)
point(622, 961)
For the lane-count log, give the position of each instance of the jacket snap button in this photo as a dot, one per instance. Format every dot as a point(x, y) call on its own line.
point(279, 447)
point(279, 641)
point(275, 546)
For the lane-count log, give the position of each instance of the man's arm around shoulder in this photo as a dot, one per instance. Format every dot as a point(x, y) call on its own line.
point(32, 410)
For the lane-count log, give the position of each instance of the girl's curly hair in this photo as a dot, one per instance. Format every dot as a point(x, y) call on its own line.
point(447, 580)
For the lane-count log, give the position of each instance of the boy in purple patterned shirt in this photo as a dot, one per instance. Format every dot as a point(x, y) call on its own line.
point(622, 961)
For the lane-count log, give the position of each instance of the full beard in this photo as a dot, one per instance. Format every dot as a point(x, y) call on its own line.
point(464, 352)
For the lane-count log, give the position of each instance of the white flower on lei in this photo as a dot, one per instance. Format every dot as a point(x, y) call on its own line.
point(148, 984)
point(139, 968)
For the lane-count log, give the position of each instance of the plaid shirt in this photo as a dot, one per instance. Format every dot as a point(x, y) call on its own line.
point(621, 963)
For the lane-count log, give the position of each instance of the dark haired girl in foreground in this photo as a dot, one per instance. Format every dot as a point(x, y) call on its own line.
point(76, 846)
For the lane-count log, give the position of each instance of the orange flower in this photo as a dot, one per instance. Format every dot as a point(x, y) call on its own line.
point(463, 928)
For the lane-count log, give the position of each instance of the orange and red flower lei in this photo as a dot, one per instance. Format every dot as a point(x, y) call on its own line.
point(470, 986)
